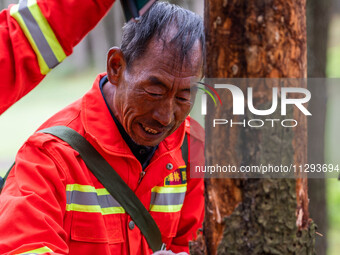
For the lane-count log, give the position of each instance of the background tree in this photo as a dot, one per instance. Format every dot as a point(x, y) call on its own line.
point(250, 39)
point(318, 19)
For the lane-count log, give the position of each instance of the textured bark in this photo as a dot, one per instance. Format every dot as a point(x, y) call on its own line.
point(250, 39)
point(318, 15)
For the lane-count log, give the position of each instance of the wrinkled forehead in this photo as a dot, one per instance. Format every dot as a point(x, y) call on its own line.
point(165, 52)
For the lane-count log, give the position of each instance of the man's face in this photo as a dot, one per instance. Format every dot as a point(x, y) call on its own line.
point(152, 97)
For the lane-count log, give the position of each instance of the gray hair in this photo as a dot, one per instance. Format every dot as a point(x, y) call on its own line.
point(155, 24)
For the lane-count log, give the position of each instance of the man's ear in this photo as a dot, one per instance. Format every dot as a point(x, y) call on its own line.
point(115, 65)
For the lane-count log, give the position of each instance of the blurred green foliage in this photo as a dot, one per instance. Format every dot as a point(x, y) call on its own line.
point(55, 92)
point(333, 203)
point(333, 62)
point(332, 153)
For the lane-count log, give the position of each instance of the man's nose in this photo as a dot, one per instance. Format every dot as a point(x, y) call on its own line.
point(164, 113)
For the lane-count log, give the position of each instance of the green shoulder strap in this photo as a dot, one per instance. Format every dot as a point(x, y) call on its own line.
point(112, 182)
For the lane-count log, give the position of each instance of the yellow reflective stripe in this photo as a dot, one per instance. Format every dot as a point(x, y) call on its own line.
point(48, 50)
point(83, 208)
point(94, 209)
point(101, 192)
point(86, 188)
point(78, 187)
point(47, 30)
point(172, 189)
point(16, 15)
point(37, 251)
point(112, 210)
point(165, 208)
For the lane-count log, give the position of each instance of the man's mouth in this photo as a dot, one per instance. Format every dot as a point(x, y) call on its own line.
point(150, 130)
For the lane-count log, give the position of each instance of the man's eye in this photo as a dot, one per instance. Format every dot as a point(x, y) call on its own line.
point(154, 94)
point(154, 91)
point(183, 99)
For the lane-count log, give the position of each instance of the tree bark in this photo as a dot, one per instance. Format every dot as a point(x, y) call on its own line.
point(250, 39)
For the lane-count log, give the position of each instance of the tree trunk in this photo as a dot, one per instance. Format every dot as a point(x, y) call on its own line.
point(318, 15)
point(250, 39)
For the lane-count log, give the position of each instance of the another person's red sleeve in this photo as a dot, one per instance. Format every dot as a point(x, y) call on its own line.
point(70, 21)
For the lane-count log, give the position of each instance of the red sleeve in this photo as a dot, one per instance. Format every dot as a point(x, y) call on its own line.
point(70, 21)
point(31, 209)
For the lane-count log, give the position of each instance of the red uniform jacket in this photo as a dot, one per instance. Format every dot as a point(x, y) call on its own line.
point(52, 203)
point(38, 31)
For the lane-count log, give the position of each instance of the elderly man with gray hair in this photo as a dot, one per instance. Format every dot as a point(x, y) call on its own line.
point(136, 117)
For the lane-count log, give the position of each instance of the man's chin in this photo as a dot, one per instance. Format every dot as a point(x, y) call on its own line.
point(147, 142)
point(141, 137)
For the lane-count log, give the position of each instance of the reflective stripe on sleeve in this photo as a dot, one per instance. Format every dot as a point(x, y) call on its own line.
point(167, 199)
point(85, 198)
point(37, 251)
point(39, 33)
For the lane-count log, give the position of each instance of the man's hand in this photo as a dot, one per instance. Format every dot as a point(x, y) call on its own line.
point(169, 253)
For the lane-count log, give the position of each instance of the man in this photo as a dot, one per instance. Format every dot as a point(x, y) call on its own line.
point(136, 118)
point(36, 35)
